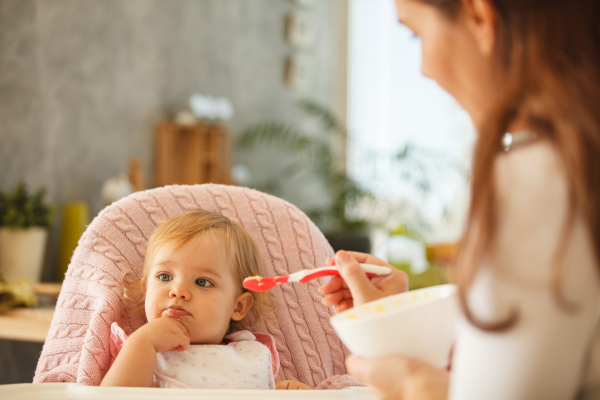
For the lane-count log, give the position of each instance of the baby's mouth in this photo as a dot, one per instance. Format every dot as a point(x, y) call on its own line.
point(176, 311)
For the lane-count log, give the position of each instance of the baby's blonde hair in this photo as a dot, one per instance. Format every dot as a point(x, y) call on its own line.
point(241, 251)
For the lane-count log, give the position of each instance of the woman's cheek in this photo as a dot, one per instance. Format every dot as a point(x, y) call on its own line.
point(439, 66)
point(432, 65)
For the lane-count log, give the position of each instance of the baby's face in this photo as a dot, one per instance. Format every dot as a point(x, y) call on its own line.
point(195, 284)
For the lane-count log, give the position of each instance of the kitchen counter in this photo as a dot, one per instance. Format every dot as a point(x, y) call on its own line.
point(26, 324)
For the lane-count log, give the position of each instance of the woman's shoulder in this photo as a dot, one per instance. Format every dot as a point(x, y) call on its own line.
point(535, 169)
point(535, 219)
point(532, 200)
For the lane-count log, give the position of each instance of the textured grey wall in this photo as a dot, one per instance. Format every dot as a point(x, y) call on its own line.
point(83, 82)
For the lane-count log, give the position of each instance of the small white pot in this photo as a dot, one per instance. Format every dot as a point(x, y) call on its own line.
point(22, 253)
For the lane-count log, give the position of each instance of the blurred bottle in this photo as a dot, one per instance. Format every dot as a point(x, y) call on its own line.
point(76, 218)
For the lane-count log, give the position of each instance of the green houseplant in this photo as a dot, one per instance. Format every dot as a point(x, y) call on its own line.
point(344, 220)
point(24, 222)
point(312, 157)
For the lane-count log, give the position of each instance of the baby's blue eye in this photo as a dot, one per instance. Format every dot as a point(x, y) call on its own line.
point(164, 277)
point(203, 283)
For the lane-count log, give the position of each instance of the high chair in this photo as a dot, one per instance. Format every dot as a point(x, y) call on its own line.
point(77, 346)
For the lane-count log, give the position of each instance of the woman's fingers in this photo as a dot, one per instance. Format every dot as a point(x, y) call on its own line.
point(345, 305)
point(335, 298)
point(353, 287)
point(359, 284)
point(365, 258)
point(360, 368)
point(394, 283)
point(400, 377)
point(335, 284)
point(384, 378)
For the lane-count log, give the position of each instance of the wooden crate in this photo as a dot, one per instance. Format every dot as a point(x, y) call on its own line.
point(191, 154)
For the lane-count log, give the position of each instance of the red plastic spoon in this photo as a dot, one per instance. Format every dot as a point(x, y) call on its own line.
point(260, 284)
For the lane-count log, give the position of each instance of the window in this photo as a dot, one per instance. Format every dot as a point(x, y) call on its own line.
point(391, 104)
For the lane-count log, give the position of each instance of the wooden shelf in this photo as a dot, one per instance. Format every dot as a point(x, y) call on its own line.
point(31, 324)
point(192, 154)
point(26, 324)
point(47, 289)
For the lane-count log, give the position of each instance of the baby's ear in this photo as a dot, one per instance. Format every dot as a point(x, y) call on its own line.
point(243, 303)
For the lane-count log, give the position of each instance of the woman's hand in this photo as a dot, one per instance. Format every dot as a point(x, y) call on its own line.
point(354, 288)
point(400, 378)
point(292, 385)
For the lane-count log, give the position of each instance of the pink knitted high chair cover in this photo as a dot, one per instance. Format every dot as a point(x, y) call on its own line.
point(77, 346)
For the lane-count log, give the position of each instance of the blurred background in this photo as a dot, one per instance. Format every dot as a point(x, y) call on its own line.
point(320, 102)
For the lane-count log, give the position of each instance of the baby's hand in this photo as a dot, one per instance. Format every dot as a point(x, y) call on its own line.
point(164, 334)
point(292, 385)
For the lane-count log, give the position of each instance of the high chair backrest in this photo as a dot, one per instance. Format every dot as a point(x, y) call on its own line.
point(77, 346)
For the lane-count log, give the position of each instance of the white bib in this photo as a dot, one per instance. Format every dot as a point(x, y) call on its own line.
point(247, 362)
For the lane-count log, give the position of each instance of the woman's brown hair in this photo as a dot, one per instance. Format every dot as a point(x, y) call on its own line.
point(550, 54)
point(244, 256)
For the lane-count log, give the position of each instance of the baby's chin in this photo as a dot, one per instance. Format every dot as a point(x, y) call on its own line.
point(207, 340)
point(208, 343)
point(202, 338)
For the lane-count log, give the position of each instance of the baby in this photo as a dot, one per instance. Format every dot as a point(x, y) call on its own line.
point(192, 295)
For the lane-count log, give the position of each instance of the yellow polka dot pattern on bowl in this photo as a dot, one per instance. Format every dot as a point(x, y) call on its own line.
point(409, 299)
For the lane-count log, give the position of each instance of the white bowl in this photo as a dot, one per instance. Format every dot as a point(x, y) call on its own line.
point(419, 324)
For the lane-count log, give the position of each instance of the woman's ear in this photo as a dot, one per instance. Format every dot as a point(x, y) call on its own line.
point(242, 306)
point(481, 20)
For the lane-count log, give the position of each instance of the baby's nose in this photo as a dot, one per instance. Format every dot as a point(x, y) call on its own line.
point(180, 292)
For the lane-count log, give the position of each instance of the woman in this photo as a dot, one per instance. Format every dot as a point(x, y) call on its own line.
point(528, 274)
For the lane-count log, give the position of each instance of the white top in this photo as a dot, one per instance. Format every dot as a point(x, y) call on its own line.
point(549, 353)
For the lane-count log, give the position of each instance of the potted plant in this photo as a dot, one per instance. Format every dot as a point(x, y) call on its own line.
point(312, 158)
point(24, 223)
